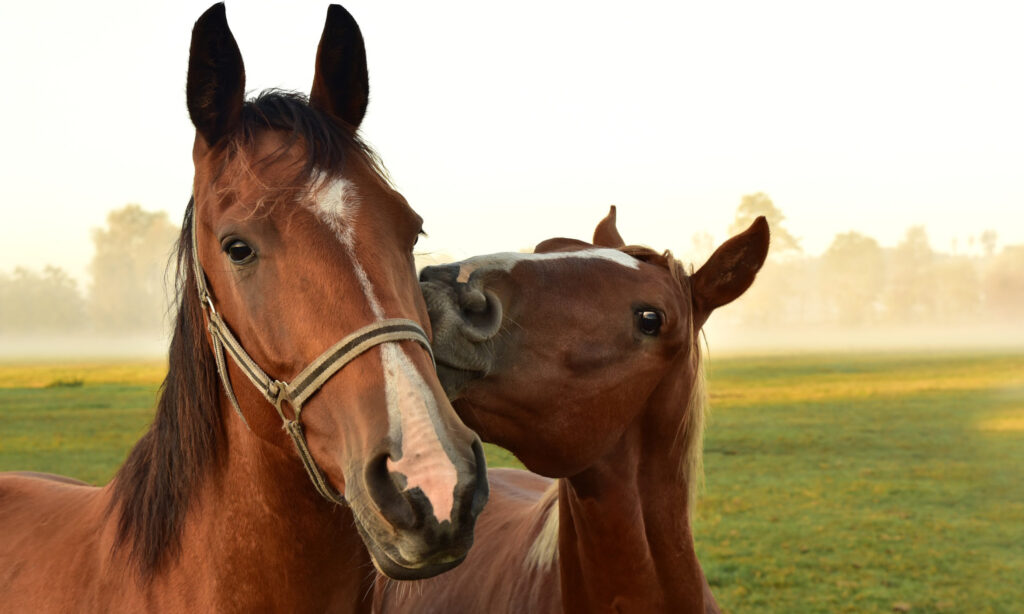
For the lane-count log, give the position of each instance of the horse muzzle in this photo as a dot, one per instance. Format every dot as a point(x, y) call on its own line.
point(400, 526)
point(466, 318)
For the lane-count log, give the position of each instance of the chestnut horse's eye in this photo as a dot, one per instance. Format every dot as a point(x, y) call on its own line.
point(239, 252)
point(648, 321)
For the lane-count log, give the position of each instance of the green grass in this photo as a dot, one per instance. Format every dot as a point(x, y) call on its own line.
point(834, 484)
point(852, 484)
point(83, 432)
point(80, 419)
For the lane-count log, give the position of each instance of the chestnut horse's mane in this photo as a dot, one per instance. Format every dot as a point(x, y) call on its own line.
point(690, 436)
point(152, 491)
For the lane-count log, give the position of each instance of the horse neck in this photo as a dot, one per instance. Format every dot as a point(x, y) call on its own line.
point(624, 530)
point(263, 535)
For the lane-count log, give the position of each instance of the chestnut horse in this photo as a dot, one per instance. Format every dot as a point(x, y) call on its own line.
point(584, 361)
point(297, 290)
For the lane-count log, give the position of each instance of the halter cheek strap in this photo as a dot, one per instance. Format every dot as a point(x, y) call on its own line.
point(308, 381)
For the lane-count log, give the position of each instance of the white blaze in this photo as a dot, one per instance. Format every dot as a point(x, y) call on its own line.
point(412, 407)
point(506, 261)
point(424, 462)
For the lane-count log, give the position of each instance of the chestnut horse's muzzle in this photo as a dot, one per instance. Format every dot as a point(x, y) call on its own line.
point(466, 318)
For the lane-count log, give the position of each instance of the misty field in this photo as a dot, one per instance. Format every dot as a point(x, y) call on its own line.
point(853, 483)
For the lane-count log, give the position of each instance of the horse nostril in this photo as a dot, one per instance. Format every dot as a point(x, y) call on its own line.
point(381, 486)
point(482, 491)
point(481, 314)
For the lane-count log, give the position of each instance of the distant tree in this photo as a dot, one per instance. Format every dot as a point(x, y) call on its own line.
point(957, 288)
point(128, 291)
point(853, 276)
point(1003, 284)
point(782, 295)
point(40, 302)
point(753, 205)
point(988, 240)
point(702, 245)
point(909, 295)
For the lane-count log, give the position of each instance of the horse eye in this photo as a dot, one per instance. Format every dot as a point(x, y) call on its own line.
point(648, 321)
point(239, 252)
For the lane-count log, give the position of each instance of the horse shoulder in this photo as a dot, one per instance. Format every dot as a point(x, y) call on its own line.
point(50, 542)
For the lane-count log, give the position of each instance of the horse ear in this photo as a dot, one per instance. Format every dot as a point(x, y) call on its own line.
point(729, 271)
point(215, 89)
point(341, 85)
point(606, 234)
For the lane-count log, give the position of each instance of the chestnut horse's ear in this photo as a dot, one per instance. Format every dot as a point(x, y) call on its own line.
point(215, 89)
point(606, 234)
point(341, 85)
point(729, 271)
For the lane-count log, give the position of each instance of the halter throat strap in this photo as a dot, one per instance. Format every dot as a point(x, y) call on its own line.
point(308, 381)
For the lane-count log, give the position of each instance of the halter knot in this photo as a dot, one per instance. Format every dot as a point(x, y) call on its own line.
point(274, 390)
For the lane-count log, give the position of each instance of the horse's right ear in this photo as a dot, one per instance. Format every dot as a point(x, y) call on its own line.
point(606, 234)
point(215, 88)
point(729, 271)
point(341, 85)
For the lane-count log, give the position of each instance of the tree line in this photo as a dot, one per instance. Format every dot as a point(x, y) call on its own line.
point(128, 293)
point(856, 282)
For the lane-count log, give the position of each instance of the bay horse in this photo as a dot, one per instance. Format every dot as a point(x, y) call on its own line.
point(301, 432)
point(583, 360)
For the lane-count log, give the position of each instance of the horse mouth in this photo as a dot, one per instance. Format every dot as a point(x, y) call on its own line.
point(391, 563)
point(398, 571)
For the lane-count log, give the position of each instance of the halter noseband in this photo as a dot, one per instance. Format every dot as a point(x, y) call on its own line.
point(309, 380)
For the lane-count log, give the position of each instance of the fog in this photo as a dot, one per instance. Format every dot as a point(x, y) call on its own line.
point(857, 295)
point(503, 128)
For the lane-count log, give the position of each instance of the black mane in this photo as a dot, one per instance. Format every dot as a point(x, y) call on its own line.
point(153, 489)
point(327, 141)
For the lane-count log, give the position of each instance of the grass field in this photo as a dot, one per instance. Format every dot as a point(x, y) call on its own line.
point(857, 483)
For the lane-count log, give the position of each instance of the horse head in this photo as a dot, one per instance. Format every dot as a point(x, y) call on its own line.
point(301, 241)
point(552, 354)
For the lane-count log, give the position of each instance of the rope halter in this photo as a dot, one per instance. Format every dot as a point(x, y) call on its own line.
point(308, 381)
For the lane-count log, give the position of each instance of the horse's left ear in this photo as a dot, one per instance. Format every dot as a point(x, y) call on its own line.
point(729, 271)
point(606, 234)
point(341, 85)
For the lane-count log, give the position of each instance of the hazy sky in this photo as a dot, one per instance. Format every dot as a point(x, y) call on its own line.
point(507, 123)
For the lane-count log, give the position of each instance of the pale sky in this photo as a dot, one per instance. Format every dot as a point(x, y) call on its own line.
point(508, 123)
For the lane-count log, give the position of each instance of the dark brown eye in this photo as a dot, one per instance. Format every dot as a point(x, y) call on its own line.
point(239, 252)
point(648, 321)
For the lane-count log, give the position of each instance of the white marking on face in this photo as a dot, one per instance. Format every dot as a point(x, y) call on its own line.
point(412, 407)
point(506, 261)
point(423, 460)
point(336, 203)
